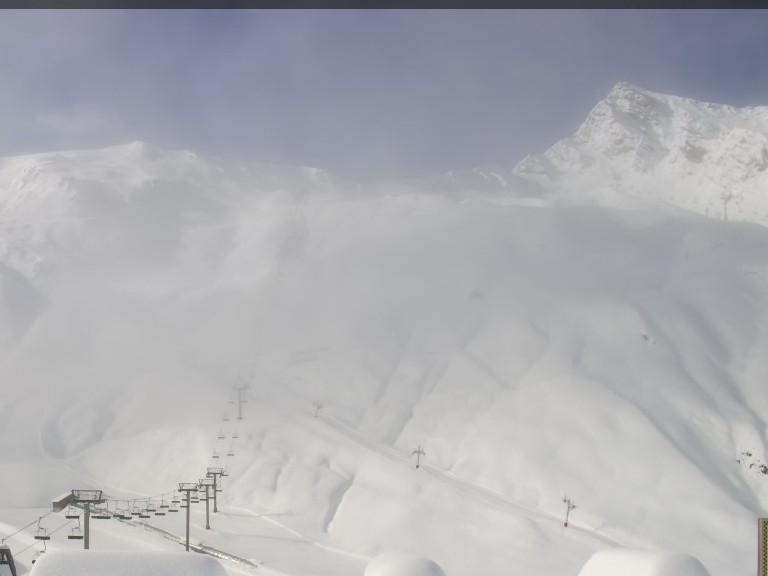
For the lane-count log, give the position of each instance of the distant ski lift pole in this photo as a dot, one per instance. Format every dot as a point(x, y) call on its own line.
point(240, 389)
point(568, 507)
point(418, 453)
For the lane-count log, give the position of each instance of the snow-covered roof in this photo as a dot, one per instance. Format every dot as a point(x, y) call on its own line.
point(631, 562)
point(402, 564)
point(125, 563)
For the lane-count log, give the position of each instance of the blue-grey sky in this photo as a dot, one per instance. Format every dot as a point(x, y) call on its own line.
point(364, 94)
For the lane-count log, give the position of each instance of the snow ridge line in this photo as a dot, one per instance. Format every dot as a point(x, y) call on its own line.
point(201, 548)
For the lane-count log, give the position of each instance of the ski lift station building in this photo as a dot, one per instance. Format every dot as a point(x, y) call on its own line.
point(125, 563)
point(7, 567)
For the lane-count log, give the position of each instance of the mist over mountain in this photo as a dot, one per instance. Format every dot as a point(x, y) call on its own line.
point(585, 324)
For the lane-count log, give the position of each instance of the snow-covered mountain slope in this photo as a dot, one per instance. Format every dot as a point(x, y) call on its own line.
point(493, 181)
point(533, 349)
point(707, 158)
point(68, 206)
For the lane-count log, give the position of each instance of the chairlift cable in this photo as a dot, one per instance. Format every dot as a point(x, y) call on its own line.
point(60, 527)
point(28, 547)
point(28, 525)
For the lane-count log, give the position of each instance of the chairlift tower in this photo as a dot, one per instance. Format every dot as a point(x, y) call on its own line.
point(419, 452)
point(206, 484)
point(215, 473)
point(85, 498)
point(240, 389)
point(187, 487)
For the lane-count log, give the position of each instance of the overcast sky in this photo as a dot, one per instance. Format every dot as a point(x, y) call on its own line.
point(364, 94)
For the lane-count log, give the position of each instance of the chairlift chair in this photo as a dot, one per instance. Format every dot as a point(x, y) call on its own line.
point(42, 533)
point(101, 514)
point(76, 533)
point(39, 553)
point(174, 507)
point(234, 434)
point(163, 503)
point(72, 513)
point(123, 512)
point(136, 511)
point(221, 434)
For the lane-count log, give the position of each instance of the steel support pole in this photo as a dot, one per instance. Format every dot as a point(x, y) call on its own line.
point(87, 523)
point(188, 509)
point(207, 506)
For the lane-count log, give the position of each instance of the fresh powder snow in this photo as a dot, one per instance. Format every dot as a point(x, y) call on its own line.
point(590, 324)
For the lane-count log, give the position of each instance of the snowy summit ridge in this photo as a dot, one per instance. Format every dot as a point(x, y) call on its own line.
point(707, 158)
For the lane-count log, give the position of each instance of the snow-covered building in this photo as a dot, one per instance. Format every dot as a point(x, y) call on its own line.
point(126, 563)
point(633, 562)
